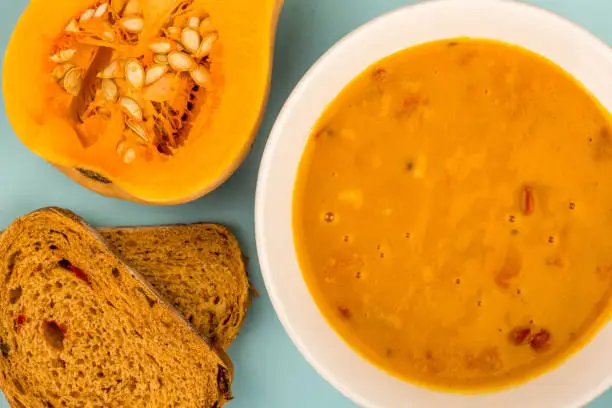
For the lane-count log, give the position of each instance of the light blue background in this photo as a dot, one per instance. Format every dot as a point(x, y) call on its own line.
point(270, 373)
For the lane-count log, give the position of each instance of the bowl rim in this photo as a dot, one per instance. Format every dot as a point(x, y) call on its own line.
point(269, 155)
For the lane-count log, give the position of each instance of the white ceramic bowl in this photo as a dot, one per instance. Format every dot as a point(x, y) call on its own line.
point(575, 383)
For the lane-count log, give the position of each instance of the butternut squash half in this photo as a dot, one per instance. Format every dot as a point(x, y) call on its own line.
point(154, 101)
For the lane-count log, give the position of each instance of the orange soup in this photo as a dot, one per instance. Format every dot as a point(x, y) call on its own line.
point(453, 215)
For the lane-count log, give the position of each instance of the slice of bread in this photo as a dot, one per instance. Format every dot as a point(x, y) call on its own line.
point(198, 268)
point(80, 328)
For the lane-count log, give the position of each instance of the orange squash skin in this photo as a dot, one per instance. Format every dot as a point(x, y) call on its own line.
point(215, 148)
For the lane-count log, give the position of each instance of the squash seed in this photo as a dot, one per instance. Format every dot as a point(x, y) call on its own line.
point(138, 129)
point(129, 155)
point(133, 25)
point(108, 32)
point(131, 108)
point(161, 47)
point(87, 15)
point(111, 71)
point(101, 10)
point(160, 58)
point(60, 71)
point(121, 146)
point(155, 73)
point(72, 27)
point(194, 22)
point(108, 36)
point(207, 45)
point(201, 75)
point(174, 32)
point(63, 55)
point(190, 38)
point(180, 62)
point(206, 27)
point(72, 81)
point(134, 73)
point(109, 87)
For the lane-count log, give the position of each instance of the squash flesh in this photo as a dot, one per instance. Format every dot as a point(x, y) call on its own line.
point(216, 145)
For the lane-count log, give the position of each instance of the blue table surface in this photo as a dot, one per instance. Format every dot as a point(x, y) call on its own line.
point(270, 372)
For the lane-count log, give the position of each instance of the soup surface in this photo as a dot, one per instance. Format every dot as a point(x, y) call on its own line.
point(453, 212)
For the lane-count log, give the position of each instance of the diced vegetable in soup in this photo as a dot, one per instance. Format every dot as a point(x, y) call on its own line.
point(453, 215)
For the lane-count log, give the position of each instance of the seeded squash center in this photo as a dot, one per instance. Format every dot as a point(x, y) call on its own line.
point(154, 101)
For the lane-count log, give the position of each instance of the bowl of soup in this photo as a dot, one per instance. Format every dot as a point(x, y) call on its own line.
point(434, 207)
